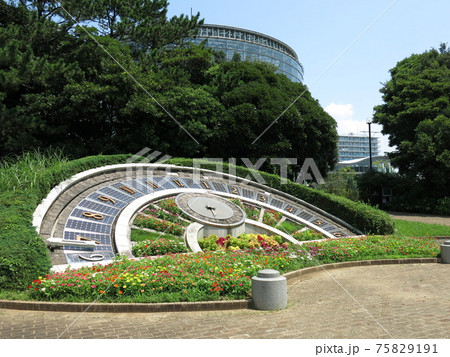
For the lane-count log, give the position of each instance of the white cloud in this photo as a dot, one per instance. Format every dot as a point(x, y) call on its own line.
point(340, 111)
point(351, 126)
point(346, 124)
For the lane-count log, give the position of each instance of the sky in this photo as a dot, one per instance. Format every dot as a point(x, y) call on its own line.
point(347, 47)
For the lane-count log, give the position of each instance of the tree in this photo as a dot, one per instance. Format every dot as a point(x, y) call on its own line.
point(143, 22)
point(260, 121)
point(59, 88)
point(416, 116)
point(342, 182)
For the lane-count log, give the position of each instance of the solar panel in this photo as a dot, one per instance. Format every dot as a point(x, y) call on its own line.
point(80, 213)
point(85, 226)
point(98, 207)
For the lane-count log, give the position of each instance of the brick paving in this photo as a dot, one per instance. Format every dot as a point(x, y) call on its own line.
point(399, 301)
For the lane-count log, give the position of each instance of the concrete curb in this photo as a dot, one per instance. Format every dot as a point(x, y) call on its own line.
point(192, 306)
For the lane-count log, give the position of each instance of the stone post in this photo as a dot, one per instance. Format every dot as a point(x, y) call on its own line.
point(269, 290)
point(445, 252)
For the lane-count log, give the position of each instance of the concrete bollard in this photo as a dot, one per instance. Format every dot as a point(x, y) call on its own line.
point(269, 290)
point(445, 252)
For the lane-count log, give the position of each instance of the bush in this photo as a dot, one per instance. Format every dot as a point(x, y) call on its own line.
point(23, 253)
point(443, 206)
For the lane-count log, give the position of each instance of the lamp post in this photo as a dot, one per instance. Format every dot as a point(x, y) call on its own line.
point(370, 145)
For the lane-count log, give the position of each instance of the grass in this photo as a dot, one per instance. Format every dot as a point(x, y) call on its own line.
point(418, 229)
point(289, 226)
point(26, 172)
point(138, 235)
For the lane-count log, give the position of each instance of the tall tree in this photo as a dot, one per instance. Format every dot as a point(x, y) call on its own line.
point(416, 116)
point(260, 121)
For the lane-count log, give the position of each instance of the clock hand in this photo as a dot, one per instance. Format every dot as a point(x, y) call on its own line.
point(212, 209)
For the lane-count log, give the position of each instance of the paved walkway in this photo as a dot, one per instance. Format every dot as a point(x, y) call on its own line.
point(424, 218)
point(399, 301)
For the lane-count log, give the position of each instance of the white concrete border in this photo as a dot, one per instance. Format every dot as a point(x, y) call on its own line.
point(191, 237)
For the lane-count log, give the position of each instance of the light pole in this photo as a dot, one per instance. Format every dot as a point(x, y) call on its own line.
point(370, 145)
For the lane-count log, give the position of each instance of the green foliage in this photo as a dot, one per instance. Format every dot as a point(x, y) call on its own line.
point(23, 253)
point(253, 91)
point(407, 194)
point(164, 215)
point(416, 116)
point(60, 86)
point(342, 182)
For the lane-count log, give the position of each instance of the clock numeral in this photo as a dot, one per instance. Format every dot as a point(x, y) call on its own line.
point(128, 189)
point(178, 183)
point(106, 199)
point(262, 198)
point(154, 185)
point(205, 185)
point(290, 209)
point(93, 215)
point(318, 222)
point(339, 234)
point(234, 191)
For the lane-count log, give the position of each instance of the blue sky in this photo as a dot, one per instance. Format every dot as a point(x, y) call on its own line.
point(321, 30)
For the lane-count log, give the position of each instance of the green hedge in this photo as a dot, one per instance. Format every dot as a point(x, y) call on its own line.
point(23, 254)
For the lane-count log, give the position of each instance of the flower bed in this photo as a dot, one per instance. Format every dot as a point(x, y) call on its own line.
point(192, 277)
point(214, 276)
point(159, 225)
point(372, 247)
point(271, 217)
point(159, 246)
point(166, 216)
point(252, 212)
point(244, 241)
point(169, 205)
point(307, 235)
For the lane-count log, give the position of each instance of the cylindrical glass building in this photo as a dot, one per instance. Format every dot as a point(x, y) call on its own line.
point(252, 45)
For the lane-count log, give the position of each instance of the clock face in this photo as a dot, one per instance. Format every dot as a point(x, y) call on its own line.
point(210, 209)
